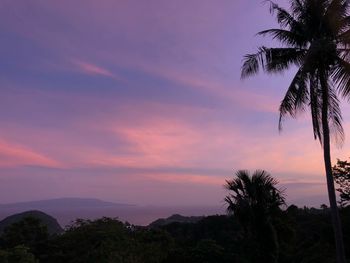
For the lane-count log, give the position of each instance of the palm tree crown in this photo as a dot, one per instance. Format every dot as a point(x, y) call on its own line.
point(253, 196)
point(315, 36)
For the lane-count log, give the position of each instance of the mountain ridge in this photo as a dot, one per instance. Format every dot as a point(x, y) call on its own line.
point(175, 218)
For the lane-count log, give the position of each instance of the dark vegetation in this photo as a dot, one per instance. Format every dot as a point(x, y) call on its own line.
point(341, 173)
point(303, 234)
point(259, 227)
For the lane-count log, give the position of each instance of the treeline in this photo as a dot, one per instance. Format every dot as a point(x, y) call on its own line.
point(259, 228)
point(303, 234)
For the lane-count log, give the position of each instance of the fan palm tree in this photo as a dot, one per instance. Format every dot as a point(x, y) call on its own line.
point(254, 199)
point(253, 195)
point(314, 37)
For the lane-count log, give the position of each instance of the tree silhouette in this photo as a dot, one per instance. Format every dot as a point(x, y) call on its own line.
point(254, 199)
point(341, 173)
point(314, 37)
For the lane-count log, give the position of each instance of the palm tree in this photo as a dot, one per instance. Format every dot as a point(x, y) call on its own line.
point(253, 200)
point(314, 37)
point(253, 195)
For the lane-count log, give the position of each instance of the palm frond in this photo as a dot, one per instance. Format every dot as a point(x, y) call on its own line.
point(316, 107)
point(343, 38)
point(286, 37)
point(271, 60)
point(296, 98)
point(284, 18)
point(338, 9)
point(335, 117)
point(251, 64)
point(296, 7)
point(341, 77)
point(335, 16)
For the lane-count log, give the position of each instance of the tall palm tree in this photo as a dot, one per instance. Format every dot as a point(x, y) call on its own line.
point(254, 199)
point(314, 37)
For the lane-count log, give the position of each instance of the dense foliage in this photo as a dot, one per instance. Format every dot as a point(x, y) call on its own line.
point(341, 174)
point(303, 234)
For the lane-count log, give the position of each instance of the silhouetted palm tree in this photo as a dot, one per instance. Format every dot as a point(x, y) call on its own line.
point(314, 36)
point(253, 195)
point(254, 199)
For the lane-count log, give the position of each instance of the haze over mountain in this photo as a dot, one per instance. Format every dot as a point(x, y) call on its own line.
point(66, 210)
point(62, 203)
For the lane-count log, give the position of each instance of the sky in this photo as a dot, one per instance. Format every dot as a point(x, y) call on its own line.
point(141, 102)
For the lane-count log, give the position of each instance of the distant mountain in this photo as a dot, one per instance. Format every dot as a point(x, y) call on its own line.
point(61, 203)
point(52, 225)
point(175, 219)
point(67, 210)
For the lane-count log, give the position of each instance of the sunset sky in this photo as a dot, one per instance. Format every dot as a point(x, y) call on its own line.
point(141, 102)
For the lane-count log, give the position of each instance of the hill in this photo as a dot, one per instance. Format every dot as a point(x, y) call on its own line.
point(52, 225)
point(175, 219)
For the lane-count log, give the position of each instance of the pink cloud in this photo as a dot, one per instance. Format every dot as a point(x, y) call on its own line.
point(93, 69)
point(139, 24)
point(15, 155)
point(162, 135)
point(154, 144)
point(177, 143)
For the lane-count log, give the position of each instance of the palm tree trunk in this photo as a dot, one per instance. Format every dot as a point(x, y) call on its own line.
point(339, 243)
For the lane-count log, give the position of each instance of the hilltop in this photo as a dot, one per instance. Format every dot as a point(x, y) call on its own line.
point(52, 225)
point(175, 219)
